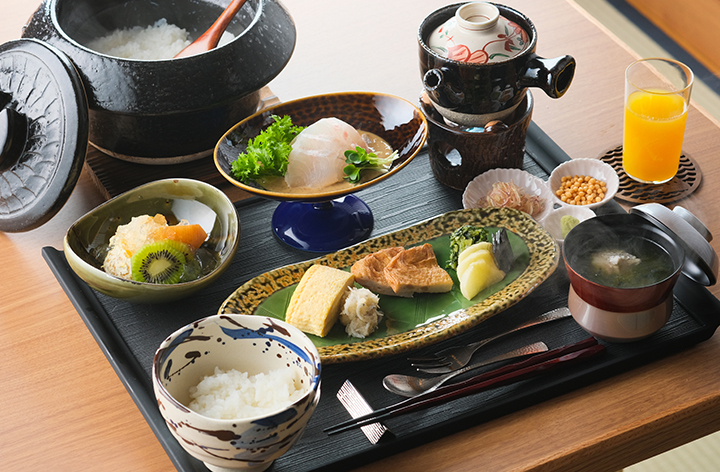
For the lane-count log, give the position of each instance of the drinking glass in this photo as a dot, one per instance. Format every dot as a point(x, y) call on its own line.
point(657, 97)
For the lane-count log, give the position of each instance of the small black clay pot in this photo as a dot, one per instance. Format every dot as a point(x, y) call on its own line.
point(457, 155)
point(167, 111)
point(462, 90)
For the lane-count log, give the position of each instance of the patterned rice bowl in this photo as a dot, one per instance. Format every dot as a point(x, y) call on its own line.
point(251, 344)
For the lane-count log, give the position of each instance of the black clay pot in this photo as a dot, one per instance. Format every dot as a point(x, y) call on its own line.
point(462, 90)
point(167, 111)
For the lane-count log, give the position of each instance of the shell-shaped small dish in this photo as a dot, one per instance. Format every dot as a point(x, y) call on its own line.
point(478, 189)
point(584, 166)
point(552, 222)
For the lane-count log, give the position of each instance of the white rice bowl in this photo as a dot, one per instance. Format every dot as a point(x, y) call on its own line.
point(270, 358)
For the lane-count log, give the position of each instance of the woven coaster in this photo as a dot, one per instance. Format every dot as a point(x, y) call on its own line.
point(685, 182)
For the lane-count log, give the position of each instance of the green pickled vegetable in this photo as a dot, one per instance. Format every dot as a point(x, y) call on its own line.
point(360, 160)
point(462, 238)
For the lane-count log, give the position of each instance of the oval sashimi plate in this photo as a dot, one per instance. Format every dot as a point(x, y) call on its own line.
point(411, 323)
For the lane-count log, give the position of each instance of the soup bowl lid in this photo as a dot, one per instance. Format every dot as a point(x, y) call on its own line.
point(701, 261)
point(478, 33)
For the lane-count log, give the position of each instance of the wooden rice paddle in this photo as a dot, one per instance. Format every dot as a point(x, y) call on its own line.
point(210, 38)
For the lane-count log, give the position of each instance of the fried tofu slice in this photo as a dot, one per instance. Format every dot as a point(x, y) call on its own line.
point(370, 271)
point(416, 270)
point(315, 305)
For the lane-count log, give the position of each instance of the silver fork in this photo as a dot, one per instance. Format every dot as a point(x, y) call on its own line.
point(456, 357)
point(409, 386)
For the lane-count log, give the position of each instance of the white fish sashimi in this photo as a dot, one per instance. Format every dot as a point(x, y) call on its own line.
point(317, 158)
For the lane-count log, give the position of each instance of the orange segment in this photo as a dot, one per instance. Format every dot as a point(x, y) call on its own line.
point(192, 235)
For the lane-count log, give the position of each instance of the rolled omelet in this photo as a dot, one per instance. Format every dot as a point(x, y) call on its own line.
point(315, 305)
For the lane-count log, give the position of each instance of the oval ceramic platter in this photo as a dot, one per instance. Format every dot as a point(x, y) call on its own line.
point(411, 323)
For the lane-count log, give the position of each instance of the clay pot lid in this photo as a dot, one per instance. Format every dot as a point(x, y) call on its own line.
point(477, 33)
point(43, 132)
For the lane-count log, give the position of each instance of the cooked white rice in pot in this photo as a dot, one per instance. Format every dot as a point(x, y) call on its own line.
point(158, 41)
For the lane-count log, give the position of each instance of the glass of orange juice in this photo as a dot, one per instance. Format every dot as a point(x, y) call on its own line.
point(657, 97)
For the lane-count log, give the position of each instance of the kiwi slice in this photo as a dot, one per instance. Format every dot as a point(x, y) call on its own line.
point(161, 262)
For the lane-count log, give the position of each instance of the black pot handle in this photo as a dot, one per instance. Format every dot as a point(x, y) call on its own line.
point(13, 133)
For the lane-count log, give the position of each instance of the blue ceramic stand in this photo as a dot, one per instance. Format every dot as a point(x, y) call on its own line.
point(323, 226)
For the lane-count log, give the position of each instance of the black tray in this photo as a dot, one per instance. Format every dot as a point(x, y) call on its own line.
point(129, 334)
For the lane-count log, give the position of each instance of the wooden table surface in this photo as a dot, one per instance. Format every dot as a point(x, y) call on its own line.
point(63, 407)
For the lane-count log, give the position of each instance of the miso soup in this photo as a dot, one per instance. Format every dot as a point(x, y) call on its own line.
point(632, 264)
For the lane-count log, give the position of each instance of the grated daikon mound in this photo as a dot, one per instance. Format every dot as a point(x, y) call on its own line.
point(360, 314)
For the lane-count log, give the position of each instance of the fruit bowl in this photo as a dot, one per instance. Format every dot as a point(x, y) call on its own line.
point(86, 242)
point(328, 220)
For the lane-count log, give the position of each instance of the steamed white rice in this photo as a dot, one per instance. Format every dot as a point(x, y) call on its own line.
point(233, 394)
point(158, 41)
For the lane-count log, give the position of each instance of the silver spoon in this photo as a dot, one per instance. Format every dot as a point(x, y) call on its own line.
point(409, 386)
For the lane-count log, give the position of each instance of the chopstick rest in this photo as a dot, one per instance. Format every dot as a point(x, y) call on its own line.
point(531, 367)
point(356, 405)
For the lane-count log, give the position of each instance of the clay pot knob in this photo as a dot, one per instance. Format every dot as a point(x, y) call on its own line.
point(471, 35)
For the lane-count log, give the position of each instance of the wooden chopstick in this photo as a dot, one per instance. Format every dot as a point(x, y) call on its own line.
point(531, 367)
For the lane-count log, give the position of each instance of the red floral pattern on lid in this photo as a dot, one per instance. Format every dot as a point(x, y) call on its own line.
point(503, 40)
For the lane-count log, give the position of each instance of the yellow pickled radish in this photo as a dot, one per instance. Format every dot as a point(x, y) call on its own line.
point(472, 253)
point(477, 270)
point(479, 276)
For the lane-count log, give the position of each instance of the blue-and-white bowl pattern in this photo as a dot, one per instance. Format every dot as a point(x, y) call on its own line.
point(246, 343)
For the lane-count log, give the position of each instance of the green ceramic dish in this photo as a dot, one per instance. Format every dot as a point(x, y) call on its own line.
point(86, 241)
point(426, 318)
